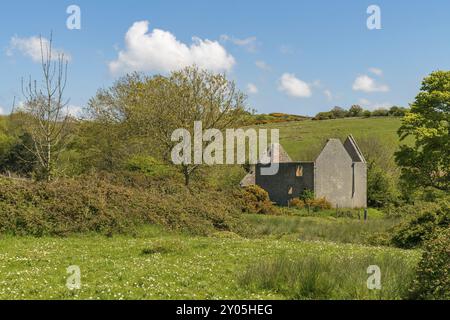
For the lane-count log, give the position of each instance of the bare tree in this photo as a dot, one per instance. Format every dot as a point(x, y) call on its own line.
point(47, 107)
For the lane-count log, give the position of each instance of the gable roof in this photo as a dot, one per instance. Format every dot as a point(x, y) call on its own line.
point(353, 150)
point(333, 148)
point(282, 156)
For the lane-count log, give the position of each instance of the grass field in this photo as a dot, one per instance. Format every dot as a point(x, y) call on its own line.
point(303, 140)
point(156, 264)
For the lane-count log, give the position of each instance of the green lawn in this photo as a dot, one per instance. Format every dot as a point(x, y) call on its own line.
point(156, 264)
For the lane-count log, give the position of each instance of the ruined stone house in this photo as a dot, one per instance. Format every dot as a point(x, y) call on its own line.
point(339, 174)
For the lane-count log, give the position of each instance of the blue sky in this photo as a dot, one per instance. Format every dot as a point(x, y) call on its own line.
point(299, 57)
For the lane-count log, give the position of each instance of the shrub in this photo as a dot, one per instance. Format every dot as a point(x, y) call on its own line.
point(433, 274)
point(107, 206)
point(421, 227)
point(319, 204)
point(296, 203)
point(380, 187)
point(255, 199)
point(307, 195)
point(149, 166)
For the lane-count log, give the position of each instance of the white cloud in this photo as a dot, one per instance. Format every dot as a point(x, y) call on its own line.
point(376, 71)
point(328, 94)
point(2, 111)
point(252, 89)
point(294, 87)
point(367, 84)
point(366, 104)
point(250, 44)
point(160, 51)
point(31, 47)
point(262, 65)
point(74, 111)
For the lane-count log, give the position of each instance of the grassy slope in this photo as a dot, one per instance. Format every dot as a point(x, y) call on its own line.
point(189, 267)
point(303, 140)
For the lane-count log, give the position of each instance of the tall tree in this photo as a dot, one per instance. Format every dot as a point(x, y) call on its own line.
point(192, 95)
point(46, 105)
point(427, 162)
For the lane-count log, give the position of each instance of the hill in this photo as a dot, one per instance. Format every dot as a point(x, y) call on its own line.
point(303, 140)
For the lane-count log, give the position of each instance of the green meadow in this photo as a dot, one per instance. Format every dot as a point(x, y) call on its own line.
point(303, 140)
point(156, 264)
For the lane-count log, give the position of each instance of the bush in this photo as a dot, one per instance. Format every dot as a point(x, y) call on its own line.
point(255, 199)
point(433, 274)
point(319, 204)
point(107, 206)
point(149, 166)
point(296, 203)
point(307, 195)
point(380, 187)
point(421, 227)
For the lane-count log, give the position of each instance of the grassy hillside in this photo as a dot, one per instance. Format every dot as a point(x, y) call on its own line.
point(303, 140)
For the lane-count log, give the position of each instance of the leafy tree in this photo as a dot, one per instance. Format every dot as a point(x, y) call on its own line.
point(188, 96)
point(427, 162)
point(380, 113)
point(367, 114)
point(140, 113)
point(355, 111)
point(324, 116)
point(339, 112)
point(114, 131)
point(396, 111)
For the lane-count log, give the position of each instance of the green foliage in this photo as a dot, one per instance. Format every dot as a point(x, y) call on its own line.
point(148, 166)
point(380, 113)
point(296, 203)
point(96, 203)
point(318, 204)
point(396, 111)
point(355, 111)
point(427, 163)
point(380, 187)
point(255, 199)
point(433, 274)
point(422, 226)
point(339, 112)
point(307, 194)
point(358, 111)
point(367, 114)
point(256, 119)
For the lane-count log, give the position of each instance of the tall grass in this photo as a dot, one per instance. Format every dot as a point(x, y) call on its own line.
point(331, 276)
point(341, 230)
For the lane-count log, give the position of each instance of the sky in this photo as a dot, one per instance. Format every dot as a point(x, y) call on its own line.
point(298, 57)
